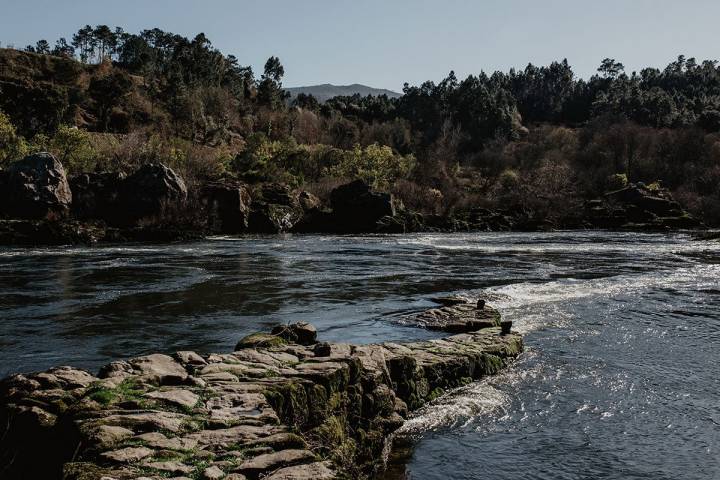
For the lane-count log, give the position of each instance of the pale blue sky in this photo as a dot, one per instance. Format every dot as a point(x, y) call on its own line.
point(386, 43)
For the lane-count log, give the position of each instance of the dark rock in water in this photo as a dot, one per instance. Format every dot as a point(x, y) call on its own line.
point(97, 196)
point(227, 206)
point(149, 190)
point(50, 232)
point(390, 224)
point(639, 206)
point(358, 209)
point(457, 315)
point(302, 333)
point(275, 209)
point(315, 221)
point(272, 218)
point(505, 327)
point(35, 187)
point(322, 349)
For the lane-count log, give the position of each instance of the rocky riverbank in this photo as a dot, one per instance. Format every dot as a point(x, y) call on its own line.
point(281, 406)
point(39, 204)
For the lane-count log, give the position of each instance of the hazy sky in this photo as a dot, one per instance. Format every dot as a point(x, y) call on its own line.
point(384, 43)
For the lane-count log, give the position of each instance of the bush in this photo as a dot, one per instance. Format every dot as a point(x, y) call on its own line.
point(617, 181)
point(377, 165)
point(12, 146)
point(73, 148)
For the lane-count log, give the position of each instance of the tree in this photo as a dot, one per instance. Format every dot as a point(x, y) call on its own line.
point(108, 92)
point(609, 68)
point(270, 91)
point(306, 101)
point(83, 41)
point(42, 47)
point(105, 40)
point(274, 69)
point(62, 49)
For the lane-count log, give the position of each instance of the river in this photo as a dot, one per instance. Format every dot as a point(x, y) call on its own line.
point(621, 378)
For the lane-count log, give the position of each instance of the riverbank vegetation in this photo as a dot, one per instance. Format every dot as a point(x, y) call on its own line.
point(540, 139)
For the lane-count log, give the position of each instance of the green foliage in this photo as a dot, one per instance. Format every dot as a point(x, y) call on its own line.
point(73, 148)
point(12, 146)
point(617, 181)
point(375, 164)
point(127, 390)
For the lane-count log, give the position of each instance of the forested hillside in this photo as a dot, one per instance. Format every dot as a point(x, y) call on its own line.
point(540, 139)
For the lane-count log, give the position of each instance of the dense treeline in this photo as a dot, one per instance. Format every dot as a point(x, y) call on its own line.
point(538, 139)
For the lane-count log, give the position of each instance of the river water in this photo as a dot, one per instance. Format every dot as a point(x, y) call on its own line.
point(621, 378)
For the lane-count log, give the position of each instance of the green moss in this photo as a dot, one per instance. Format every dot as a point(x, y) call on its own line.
point(128, 390)
point(290, 402)
point(260, 340)
point(104, 396)
point(437, 392)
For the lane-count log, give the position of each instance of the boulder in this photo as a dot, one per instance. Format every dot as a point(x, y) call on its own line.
point(308, 201)
point(227, 206)
point(273, 218)
point(35, 187)
point(97, 196)
point(149, 190)
point(302, 333)
point(275, 209)
point(358, 209)
point(277, 193)
point(639, 206)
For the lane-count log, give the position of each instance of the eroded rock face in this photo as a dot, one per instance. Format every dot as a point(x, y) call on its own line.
point(357, 208)
point(150, 189)
point(227, 206)
point(639, 206)
point(280, 410)
point(96, 196)
point(35, 187)
point(275, 209)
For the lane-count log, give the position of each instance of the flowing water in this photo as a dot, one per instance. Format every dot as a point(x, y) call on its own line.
point(620, 380)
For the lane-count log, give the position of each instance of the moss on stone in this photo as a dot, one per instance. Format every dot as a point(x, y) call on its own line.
point(260, 340)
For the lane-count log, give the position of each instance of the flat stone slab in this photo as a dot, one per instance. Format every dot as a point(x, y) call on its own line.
point(456, 315)
point(272, 409)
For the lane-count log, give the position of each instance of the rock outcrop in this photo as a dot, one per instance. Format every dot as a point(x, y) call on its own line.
point(272, 409)
point(639, 206)
point(357, 208)
point(150, 189)
point(275, 209)
point(458, 315)
point(227, 206)
point(96, 196)
point(35, 187)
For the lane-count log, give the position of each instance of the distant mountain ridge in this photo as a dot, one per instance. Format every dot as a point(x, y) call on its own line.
point(327, 91)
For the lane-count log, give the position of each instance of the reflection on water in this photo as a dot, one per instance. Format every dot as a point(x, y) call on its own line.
point(619, 381)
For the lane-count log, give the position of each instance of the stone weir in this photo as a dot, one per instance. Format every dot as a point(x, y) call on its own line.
point(281, 406)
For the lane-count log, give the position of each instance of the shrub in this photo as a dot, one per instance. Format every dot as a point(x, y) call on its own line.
point(617, 181)
point(73, 148)
point(377, 165)
point(12, 146)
